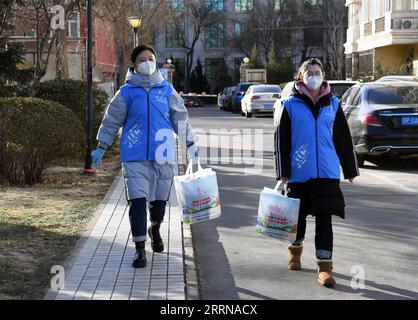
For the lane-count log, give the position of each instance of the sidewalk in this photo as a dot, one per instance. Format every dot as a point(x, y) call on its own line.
point(100, 266)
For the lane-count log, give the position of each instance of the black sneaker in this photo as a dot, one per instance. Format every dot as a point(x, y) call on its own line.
point(157, 243)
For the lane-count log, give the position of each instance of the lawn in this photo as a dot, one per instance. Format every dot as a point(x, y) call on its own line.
point(40, 225)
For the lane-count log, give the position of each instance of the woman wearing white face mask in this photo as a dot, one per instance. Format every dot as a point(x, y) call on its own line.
point(150, 111)
point(312, 141)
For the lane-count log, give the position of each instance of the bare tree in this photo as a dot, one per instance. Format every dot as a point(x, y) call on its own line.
point(38, 13)
point(335, 23)
point(116, 14)
point(199, 14)
point(268, 26)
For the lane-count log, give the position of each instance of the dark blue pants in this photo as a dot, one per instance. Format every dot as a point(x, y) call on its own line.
point(323, 234)
point(138, 216)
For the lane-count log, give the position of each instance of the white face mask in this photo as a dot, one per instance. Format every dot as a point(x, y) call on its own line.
point(313, 82)
point(147, 67)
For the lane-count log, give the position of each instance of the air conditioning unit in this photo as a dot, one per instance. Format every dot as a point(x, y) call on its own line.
point(408, 24)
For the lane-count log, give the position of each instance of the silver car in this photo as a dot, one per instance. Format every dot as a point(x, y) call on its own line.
point(259, 99)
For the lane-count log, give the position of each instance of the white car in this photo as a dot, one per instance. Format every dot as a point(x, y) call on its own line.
point(286, 92)
point(259, 98)
point(398, 78)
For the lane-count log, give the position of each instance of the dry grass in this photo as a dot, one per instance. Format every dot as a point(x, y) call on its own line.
point(39, 226)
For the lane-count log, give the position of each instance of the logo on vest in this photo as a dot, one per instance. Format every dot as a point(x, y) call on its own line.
point(160, 97)
point(133, 136)
point(300, 157)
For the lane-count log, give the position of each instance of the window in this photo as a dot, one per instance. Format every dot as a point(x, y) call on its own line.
point(30, 34)
point(214, 5)
point(74, 25)
point(405, 5)
point(366, 11)
point(211, 64)
point(243, 5)
point(313, 2)
point(173, 34)
point(177, 5)
point(379, 8)
point(214, 36)
point(279, 4)
point(237, 29)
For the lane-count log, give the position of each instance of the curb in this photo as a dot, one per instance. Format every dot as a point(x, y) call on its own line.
point(191, 280)
point(68, 264)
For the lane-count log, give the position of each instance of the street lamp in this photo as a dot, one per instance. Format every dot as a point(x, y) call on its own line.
point(89, 105)
point(135, 22)
point(246, 60)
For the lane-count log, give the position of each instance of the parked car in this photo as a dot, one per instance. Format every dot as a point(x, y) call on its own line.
point(383, 118)
point(224, 98)
point(239, 92)
point(286, 92)
point(398, 78)
point(339, 87)
point(227, 103)
point(193, 101)
point(259, 99)
point(221, 97)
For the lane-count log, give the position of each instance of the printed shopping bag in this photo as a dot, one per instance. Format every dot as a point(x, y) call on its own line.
point(198, 194)
point(278, 214)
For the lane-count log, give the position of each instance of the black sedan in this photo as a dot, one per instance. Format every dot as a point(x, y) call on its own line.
point(383, 118)
point(193, 101)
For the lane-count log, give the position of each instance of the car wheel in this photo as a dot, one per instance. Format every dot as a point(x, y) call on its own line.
point(248, 114)
point(361, 158)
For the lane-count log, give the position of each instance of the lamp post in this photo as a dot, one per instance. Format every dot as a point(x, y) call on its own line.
point(243, 69)
point(135, 22)
point(89, 110)
point(169, 66)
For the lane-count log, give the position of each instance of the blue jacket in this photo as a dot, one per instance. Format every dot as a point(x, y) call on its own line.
point(313, 153)
point(313, 140)
point(151, 112)
point(147, 114)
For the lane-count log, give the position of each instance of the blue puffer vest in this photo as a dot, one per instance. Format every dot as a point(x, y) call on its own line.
point(147, 133)
point(313, 153)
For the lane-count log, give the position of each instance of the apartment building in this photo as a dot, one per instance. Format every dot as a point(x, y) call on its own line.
point(382, 37)
point(215, 46)
point(104, 56)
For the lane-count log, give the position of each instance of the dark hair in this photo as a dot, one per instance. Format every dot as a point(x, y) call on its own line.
point(310, 62)
point(141, 48)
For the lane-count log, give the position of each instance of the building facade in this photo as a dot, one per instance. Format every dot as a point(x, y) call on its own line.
point(216, 44)
point(382, 38)
point(104, 52)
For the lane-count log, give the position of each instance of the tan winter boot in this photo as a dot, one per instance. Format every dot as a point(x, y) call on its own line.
point(325, 273)
point(294, 257)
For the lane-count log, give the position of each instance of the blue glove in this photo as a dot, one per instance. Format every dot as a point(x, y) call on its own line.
point(193, 152)
point(97, 156)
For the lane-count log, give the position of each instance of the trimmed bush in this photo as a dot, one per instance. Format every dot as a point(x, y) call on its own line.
point(73, 95)
point(34, 132)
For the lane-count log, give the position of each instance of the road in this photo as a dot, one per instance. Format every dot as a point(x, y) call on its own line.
point(378, 241)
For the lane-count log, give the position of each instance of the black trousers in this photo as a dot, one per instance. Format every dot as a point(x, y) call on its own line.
point(323, 234)
point(138, 216)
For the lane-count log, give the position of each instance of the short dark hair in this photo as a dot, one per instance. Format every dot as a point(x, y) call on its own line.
point(141, 48)
point(310, 62)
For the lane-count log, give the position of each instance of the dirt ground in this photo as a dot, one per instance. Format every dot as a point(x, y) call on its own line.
point(40, 225)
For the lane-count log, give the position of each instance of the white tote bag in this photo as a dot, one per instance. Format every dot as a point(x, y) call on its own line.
point(198, 194)
point(278, 214)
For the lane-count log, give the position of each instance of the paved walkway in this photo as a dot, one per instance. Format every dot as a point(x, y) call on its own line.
point(100, 268)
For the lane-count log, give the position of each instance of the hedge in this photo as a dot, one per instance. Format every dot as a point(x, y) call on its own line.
point(72, 94)
point(34, 132)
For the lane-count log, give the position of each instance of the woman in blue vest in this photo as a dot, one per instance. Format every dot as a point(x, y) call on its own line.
point(312, 141)
point(151, 112)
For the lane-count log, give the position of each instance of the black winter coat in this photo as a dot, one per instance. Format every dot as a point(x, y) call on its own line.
point(318, 196)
